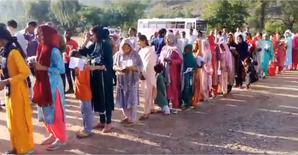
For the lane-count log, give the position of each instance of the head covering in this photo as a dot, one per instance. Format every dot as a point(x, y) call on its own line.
point(189, 59)
point(206, 50)
point(197, 49)
point(123, 42)
point(173, 39)
point(167, 52)
point(42, 88)
point(225, 46)
point(5, 51)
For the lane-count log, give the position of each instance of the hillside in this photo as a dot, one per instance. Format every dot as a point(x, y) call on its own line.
point(196, 7)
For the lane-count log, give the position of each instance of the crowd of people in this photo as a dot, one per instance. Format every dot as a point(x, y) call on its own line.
point(175, 72)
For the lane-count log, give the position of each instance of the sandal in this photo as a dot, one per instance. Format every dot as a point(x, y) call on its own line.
point(49, 140)
point(143, 117)
point(98, 126)
point(56, 145)
point(129, 124)
point(125, 120)
point(12, 151)
point(107, 128)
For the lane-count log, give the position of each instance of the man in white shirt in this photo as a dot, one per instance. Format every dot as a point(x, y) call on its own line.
point(183, 41)
point(134, 40)
point(237, 33)
point(191, 38)
point(12, 26)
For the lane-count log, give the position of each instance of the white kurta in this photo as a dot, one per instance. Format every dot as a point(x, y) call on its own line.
point(182, 42)
point(148, 58)
point(134, 41)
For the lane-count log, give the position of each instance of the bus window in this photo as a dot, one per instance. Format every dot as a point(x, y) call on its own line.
point(201, 26)
point(161, 24)
point(144, 25)
point(171, 25)
point(189, 26)
point(152, 25)
point(180, 25)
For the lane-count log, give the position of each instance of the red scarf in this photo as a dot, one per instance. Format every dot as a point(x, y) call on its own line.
point(42, 88)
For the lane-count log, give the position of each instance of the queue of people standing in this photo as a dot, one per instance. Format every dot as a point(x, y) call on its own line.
point(174, 73)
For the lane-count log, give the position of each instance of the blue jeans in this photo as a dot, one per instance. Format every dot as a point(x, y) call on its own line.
point(87, 113)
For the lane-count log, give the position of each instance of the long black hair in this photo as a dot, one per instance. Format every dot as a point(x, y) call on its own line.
point(5, 34)
point(144, 38)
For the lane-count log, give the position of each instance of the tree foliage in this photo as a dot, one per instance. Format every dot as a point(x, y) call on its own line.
point(274, 26)
point(39, 10)
point(66, 12)
point(230, 14)
point(289, 13)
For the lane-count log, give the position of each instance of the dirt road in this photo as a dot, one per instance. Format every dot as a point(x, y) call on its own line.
point(263, 120)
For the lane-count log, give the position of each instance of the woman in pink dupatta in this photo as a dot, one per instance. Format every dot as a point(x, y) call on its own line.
point(225, 65)
point(172, 59)
point(207, 70)
point(295, 52)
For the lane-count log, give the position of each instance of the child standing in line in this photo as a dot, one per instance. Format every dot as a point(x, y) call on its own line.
point(84, 95)
point(251, 73)
point(161, 99)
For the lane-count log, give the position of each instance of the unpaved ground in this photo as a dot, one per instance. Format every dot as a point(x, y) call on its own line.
point(263, 120)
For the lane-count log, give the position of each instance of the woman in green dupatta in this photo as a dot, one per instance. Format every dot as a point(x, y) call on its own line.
point(189, 62)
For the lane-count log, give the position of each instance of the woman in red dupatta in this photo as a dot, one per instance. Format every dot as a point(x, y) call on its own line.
point(48, 89)
point(215, 60)
point(252, 45)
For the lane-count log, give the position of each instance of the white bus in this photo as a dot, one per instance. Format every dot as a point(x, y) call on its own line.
point(149, 26)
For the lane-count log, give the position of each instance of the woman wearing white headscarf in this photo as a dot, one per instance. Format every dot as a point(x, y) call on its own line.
point(128, 65)
point(172, 59)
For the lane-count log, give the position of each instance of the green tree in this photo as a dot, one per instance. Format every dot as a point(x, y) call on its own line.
point(66, 12)
point(39, 10)
point(90, 16)
point(258, 10)
point(274, 26)
point(127, 12)
point(230, 14)
point(289, 13)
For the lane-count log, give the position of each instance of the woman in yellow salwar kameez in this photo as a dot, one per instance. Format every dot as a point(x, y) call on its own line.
point(14, 74)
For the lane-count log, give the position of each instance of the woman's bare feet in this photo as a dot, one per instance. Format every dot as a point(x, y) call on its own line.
point(129, 124)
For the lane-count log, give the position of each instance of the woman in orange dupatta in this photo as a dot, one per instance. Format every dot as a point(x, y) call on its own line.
point(197, 97)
